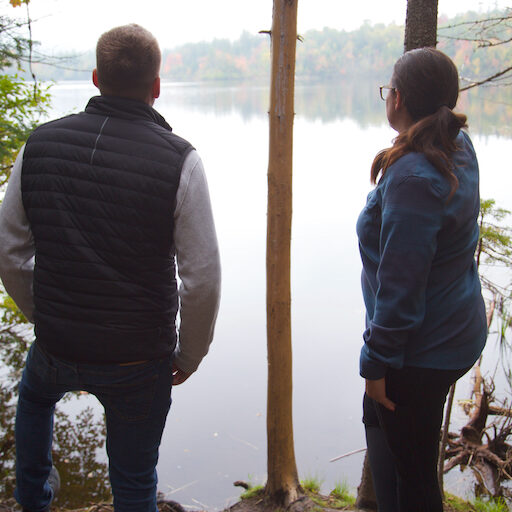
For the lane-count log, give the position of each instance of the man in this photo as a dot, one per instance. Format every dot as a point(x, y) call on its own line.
point(105, 200)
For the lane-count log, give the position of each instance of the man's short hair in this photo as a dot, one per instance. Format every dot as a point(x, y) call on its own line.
point(127, 61)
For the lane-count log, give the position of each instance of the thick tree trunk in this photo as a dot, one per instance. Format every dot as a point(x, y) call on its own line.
point(283, 484)
point(420, 24)
point(365, 492)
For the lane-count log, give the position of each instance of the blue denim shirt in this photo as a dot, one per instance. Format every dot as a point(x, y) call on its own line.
point(420, 282)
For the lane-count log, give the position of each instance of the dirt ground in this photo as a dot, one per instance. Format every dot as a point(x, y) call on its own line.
point(255, 504)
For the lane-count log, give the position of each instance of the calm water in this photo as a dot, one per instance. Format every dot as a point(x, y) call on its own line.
point(216, 431)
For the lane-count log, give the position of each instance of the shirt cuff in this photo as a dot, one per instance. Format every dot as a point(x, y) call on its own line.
point(370, 368)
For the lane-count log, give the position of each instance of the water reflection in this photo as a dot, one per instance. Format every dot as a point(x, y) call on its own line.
point(77, 438)
point(489, 110)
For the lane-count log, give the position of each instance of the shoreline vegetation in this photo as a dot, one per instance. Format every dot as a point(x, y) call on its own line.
point(336, 71)
point(368, 51)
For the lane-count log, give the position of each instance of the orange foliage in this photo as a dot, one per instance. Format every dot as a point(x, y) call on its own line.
point(241, 63)
point(172, 61)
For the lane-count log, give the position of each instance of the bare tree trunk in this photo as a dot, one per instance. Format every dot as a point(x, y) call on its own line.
point(444, 440)
point(365, 492)
point(283, 483)
point(420, 24)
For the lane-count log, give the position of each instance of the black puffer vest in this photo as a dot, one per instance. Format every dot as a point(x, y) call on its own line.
point(99, 190)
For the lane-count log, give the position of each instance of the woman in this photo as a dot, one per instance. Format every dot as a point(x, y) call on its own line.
point(425, 313)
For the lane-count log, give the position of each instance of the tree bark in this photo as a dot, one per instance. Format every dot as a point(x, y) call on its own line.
point(420, 24)
point(365, 492)
point(283, 484)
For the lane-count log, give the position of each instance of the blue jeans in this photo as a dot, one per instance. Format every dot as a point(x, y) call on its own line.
point(136, 400)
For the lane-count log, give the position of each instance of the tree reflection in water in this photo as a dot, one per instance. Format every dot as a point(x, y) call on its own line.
point(77, 438)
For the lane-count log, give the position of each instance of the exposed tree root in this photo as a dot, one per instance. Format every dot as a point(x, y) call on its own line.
point(490, 460)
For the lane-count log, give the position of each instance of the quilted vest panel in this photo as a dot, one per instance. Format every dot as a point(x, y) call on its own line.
point(99, 190)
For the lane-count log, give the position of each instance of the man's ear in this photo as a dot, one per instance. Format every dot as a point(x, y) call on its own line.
point(95, 78)
point(155, 89)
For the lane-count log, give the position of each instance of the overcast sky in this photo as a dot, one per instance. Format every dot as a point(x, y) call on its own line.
point(76, 24)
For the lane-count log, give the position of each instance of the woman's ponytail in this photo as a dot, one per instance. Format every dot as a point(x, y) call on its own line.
point(428, 81)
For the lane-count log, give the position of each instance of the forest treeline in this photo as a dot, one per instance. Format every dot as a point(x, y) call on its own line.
point(324, 54)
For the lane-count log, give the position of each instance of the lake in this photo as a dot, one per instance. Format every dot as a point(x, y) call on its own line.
point(216, 431)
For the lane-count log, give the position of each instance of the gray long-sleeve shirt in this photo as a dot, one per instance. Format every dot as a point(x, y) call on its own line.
point(196, 251)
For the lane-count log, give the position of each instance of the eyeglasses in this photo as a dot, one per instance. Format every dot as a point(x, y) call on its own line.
point(387, 88)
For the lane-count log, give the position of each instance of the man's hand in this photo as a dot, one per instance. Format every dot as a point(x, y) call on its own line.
point(376, 389)
point(179, 376)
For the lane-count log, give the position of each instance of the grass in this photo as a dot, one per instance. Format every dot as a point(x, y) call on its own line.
point(496, 505)
point(339, 497)
point(252, 492)
point(342, 494)
point(478, 504)
point(457, 503)
point(312, 484)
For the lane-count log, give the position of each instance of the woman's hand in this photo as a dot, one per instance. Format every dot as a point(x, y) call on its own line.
point(376, 389)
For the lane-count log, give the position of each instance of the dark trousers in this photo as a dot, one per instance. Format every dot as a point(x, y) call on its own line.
point(403, 445)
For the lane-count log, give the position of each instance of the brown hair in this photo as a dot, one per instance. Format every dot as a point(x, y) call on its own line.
point(429, 83)
point(127, 61)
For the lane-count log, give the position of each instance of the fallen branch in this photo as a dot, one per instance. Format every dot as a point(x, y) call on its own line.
point(347, 454)
point(500, 411)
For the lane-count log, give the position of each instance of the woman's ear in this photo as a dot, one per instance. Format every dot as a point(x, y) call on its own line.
point(398, 101)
